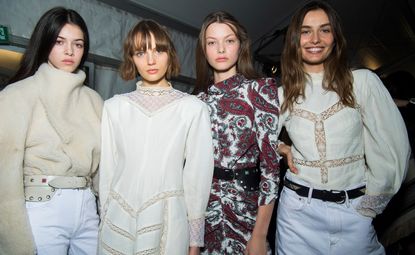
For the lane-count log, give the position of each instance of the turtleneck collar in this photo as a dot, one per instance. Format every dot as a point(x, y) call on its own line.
point(226, 85)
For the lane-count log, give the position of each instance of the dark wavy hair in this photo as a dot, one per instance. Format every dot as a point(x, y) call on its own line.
point(337, 74)
point(139, 38)
point(44, 38)
point(204, 71)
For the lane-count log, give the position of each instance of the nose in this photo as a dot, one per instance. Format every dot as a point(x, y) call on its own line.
point(315, 38)
point(151, 58)
point(221, 47)
point(69, 50)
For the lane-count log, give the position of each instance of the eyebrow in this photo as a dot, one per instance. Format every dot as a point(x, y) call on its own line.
point(80, 39)
point(323, 25)
point(229, 35)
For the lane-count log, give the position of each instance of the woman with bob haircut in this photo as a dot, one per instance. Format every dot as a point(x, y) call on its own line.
point(50, 144)
point(244, 114)
point(157, 155)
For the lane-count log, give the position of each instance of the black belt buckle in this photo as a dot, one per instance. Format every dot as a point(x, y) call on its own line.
point(337, 196)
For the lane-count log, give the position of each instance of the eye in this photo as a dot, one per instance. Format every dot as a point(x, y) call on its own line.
point(305, 32)
point(210, 43)
point(79, 45)
point(139, 53)
point(231, 41)
point(326, 30)
point(59, 42)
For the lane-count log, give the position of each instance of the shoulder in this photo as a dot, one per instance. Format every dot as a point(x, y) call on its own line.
point(96, 98)
point(261, 82)
point(364, 79)
point(21, 92)
point(193, 101)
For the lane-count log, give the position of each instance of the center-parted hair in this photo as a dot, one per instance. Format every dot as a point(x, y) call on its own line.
point(337, 74)
point(204, 72)
point(139, 39)
point(44, 37)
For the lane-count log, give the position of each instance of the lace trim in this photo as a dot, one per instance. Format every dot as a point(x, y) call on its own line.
point(149, 229)
point(328, 163)
point(319, 133)
point(197, 231)
point(154, 99)
point(148, 252)
point(124, 205)
point(160, 196)
point(119, 230)
point(111, 250)
point(164, 231)
point(372, 205)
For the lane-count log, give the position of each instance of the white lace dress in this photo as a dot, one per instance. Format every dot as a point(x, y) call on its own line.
point(155, 172)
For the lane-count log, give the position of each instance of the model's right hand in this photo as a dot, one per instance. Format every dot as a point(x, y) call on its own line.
point(285, 151)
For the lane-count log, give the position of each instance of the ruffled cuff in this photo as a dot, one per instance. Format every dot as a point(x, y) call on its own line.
point(372, 205)
point(197, 231)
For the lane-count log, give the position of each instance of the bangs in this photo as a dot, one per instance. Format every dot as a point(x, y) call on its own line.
point(142, 41)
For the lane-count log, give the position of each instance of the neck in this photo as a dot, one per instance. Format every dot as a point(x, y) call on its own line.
point(223, 75)
point(313, 68)
point(162, 83)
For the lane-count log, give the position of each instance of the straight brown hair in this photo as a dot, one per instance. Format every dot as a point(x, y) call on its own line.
point(337, 75)
point(139, 38)
point(204, 72)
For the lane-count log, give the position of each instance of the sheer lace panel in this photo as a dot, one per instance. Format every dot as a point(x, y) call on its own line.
point(152, 99)
point(197, 231)
point(371, 205)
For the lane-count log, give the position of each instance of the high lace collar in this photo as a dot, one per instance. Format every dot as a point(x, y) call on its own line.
point(154, 90)
point(226, 85)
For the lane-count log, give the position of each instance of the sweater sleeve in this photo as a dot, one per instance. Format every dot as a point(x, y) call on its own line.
point(386, 144)
point(197, 173)
point(15, 231)
point(264, 98)
point(108, 157)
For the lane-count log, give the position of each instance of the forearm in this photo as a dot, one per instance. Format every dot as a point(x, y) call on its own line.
point(263, 219)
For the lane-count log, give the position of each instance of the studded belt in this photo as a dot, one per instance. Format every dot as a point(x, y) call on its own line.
point(40, 188)
point(247, 178)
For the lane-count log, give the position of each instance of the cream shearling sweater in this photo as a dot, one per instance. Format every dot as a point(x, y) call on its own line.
point(49, 125)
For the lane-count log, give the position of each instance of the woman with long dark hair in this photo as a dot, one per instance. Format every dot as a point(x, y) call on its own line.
point(50, 144)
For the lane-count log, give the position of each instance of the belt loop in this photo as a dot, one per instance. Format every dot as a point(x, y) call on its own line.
point(347, 199)
point(310, 194)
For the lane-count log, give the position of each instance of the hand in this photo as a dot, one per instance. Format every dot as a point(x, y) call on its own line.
point(194, 251)
point(256, 246)
point(285, 151)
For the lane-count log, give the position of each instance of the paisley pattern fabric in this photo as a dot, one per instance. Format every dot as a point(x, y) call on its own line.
point(244, 116)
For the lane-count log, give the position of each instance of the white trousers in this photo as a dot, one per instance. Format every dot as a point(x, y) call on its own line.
point(312, 226)
point(67, 224)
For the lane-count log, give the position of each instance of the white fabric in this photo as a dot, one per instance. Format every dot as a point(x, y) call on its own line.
point(337, 147)
point(49, 125)
point(67, 224)
point(312, 226)
point(155, 174)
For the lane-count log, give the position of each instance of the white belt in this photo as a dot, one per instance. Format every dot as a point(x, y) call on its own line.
point(39, 188)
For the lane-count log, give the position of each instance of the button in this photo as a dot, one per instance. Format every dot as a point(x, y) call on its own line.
point(31, 198)
point(39, 198)
point(47, 197)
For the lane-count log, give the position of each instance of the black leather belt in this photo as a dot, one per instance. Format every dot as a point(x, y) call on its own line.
point(338, 196)
point(248, 178)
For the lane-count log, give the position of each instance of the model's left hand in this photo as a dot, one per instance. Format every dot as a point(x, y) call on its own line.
point(256, 246)
point(194, 250)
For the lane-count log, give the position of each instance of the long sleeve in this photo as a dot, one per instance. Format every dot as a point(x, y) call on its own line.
point(108, 157)
point(197, 173)
point(15, 231)
point(264, 98)
point(386, 144)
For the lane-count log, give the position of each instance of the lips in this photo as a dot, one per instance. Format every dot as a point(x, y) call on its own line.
point(221, 59)
point(315, 49)
point(152, 71)
point(68, 61)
